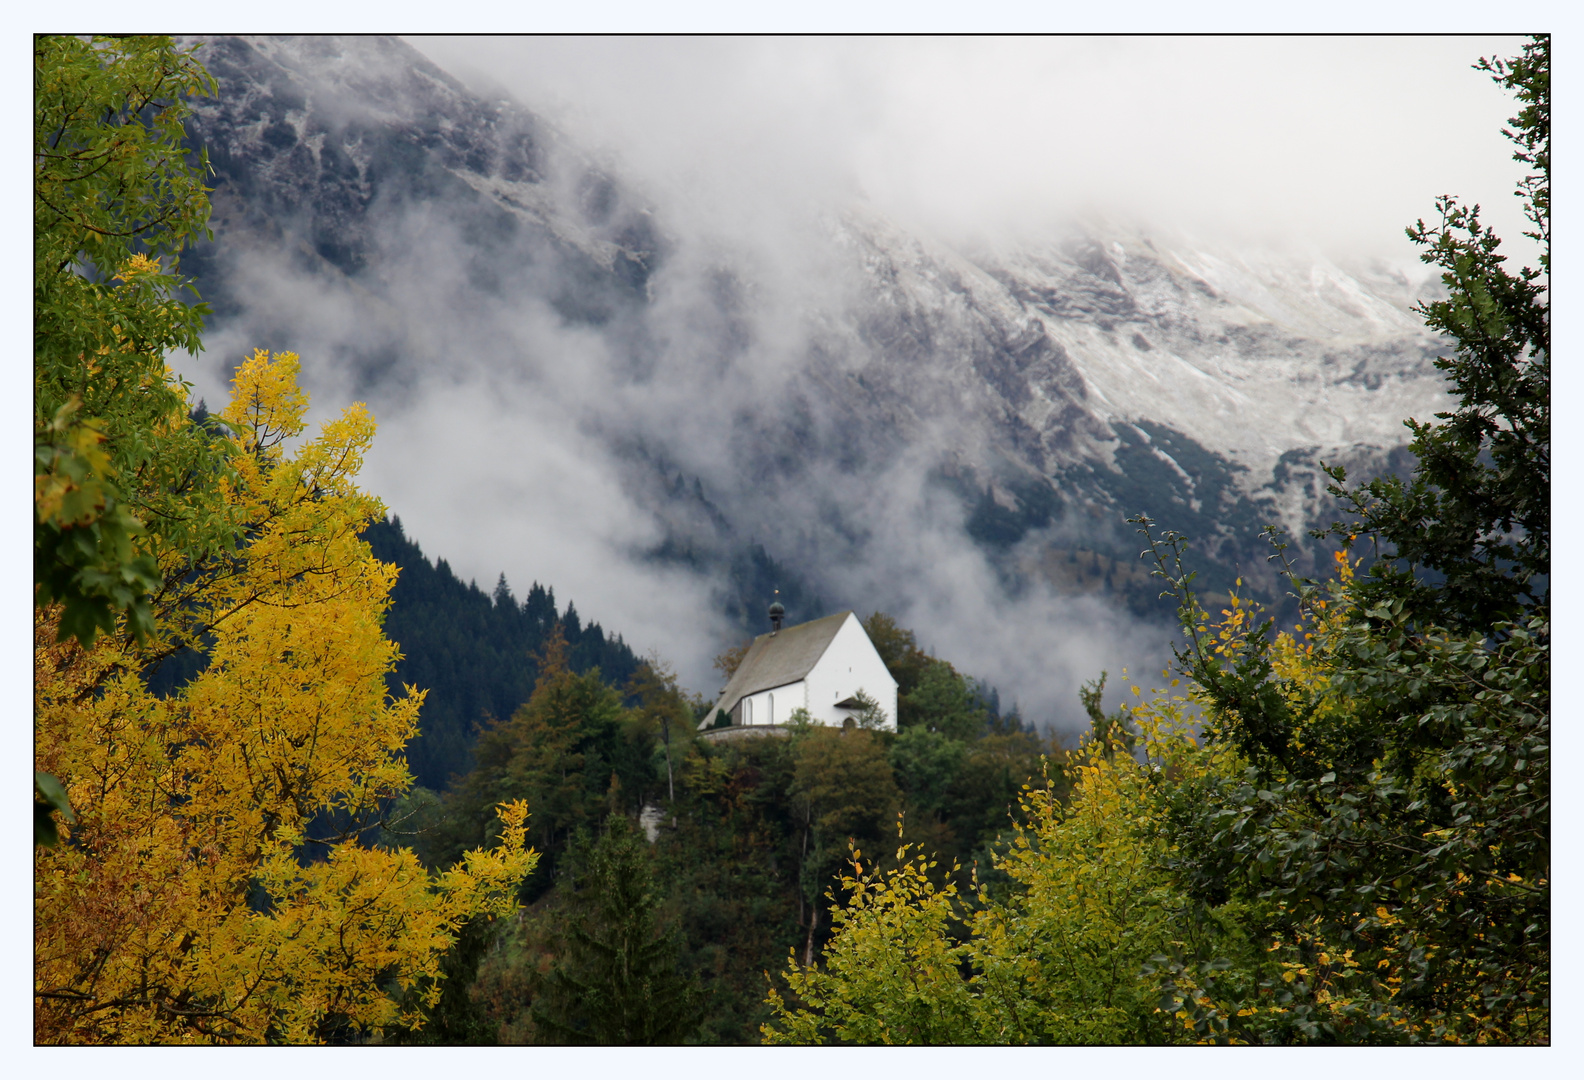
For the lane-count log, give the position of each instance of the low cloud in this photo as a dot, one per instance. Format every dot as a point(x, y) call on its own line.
point(507, 432)
point(1324, 141)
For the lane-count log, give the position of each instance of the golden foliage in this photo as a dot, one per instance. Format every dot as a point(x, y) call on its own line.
point(890, 974)
point(1055, 960)
point(181, 909)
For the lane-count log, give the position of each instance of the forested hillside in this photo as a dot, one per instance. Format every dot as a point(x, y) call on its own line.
point(473, 652)
point(748, 836)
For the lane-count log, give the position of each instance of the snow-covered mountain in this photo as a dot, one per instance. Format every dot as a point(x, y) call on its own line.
point(853, 410)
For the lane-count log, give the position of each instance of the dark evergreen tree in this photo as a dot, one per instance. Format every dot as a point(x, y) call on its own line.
point(572, 751)
point(730, 864)
point(618, 982)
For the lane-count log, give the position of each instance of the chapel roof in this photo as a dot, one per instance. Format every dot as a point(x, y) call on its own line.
point(779, 658)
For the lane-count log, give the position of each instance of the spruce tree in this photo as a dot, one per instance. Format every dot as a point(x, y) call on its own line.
point(617, 983)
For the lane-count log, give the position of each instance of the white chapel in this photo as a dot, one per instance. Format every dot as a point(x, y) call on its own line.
point(821, 666)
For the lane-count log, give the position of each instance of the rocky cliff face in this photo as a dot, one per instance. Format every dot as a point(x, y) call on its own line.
point(875, 410)
point(1133, 374)
point(324, 147)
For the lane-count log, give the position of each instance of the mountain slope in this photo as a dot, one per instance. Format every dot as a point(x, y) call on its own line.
point(853, 411)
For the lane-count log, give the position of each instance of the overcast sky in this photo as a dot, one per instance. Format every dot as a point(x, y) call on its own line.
point(1335, 141)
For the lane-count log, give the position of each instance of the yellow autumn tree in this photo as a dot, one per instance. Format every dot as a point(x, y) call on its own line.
point(189, 902)
point(891, 974)
point(1057, 958)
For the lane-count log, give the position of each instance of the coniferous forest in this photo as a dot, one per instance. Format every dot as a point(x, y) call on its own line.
point(296, 783)
point(473, 652)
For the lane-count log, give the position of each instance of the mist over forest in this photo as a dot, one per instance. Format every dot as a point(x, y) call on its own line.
point(615, 368)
